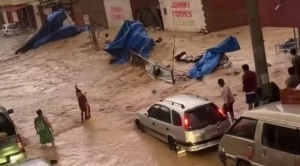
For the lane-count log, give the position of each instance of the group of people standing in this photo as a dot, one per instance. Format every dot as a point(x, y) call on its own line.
point(254, 95)
point(44, 128)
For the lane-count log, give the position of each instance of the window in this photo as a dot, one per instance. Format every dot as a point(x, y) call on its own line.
point(12, 26)
point(204, 116)
point(160, 113)
point(279, 138)
point(6, 127)
point(244, 128)
point(176, 119)
point(165, 114)
point(153, 112)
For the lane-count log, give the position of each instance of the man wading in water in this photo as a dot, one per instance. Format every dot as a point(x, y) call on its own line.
point(83, 105)
point(44, 129)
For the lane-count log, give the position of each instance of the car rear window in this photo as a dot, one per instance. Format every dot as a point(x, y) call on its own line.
point(204, 116)
point(6, 127)
point(12, 26)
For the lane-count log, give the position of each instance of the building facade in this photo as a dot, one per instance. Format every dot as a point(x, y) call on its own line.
point(280, 13)
point(26, 14)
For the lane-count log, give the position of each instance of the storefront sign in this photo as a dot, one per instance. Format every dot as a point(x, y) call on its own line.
point(182, 13)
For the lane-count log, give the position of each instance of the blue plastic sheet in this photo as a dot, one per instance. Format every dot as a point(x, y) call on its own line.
point(51, 30)
point(131, 37)
point(211, 58)
point(61, 33)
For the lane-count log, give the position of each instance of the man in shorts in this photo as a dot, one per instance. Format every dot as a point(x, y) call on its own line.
point(249, 85)
point(43, 129)
point(228, 99)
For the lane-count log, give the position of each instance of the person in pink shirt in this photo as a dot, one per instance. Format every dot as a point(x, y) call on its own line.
point(228, 99)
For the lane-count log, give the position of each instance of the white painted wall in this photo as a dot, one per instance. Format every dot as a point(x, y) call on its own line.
point(5, 17)
point(183, 15)
point(117, 11)
point(15, 16)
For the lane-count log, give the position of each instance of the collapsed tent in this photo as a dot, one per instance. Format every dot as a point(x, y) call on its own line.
point(131, 37)
point(51, 30)
point(211, 58)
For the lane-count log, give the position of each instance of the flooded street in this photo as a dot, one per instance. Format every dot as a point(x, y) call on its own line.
point(45, 78)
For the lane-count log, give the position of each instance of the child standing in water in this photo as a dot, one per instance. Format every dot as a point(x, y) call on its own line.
point(44, 129)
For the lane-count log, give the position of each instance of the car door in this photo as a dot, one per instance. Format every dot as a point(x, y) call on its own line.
point(149, 121)
point(278, 145)
point(238, 142)
point(163, 122)
point(177, 130)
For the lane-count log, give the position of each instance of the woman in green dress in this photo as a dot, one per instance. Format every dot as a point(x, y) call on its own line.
point(43, 129)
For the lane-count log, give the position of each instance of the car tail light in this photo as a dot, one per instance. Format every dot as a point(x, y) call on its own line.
point(221, 112)
point(186, 122)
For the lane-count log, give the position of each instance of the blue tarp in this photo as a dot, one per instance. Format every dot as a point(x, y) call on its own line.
point(211, 58)
point(131, 37)
point(61, 33)
point(51, 30)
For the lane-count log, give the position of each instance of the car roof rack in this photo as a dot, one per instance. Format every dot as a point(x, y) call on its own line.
point(200, 97)
point(173, 103)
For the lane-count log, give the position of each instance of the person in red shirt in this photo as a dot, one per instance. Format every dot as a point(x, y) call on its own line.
point(249, 85)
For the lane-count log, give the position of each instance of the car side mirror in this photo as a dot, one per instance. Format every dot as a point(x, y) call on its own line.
point(10, 111)
point(53, 162)
point(146, 114)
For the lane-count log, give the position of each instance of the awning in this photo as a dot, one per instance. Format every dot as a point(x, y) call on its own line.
point(13, 8)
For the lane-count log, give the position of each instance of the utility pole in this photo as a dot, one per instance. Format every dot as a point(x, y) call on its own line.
point(92, 26)
point(258, 46)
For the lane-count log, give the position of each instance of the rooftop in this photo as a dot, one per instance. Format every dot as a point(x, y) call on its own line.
point(276, 112)
point(185, 101)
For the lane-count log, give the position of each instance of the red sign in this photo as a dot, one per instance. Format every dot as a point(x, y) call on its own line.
point(181, 9)
point(117, 13)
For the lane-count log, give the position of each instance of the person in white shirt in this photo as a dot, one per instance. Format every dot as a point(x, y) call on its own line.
point(228, 99)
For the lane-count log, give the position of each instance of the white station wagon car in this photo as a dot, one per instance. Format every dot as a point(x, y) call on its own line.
point(186, 122)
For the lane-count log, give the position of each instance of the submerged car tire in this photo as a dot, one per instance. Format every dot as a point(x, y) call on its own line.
point(172, 144)
point(243, 163)
point(139, 126)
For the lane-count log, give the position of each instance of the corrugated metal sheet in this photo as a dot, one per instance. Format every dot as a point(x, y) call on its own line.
point(280, 13)
point(182, 15)
point(223, 14)
point(117, 11)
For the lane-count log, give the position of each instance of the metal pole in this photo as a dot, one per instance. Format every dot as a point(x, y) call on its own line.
point(295, 39)
point(92, 28)
point(258, 45)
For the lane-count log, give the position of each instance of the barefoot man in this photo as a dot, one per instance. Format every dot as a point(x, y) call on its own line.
point(83, 104)
point(44, 129)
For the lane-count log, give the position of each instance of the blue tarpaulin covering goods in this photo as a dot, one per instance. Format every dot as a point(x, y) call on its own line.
point(51, 30)
point(131, 37)
point(211, 58)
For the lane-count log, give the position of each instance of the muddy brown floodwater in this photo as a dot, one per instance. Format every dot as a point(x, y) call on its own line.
point(45, 78)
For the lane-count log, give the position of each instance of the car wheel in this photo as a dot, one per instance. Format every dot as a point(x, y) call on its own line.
point(172, 144)
point(243, 163)
point(139, 126)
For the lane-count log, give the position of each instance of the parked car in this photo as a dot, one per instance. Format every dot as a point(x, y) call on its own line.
point(37, 162)
point(268, 135)
point(186, 122)
point(10, 29)
point(11, 148)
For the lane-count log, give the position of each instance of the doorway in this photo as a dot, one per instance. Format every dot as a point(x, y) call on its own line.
point(147, 12)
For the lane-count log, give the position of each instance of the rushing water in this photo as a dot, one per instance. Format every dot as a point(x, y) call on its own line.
point(45, 80)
